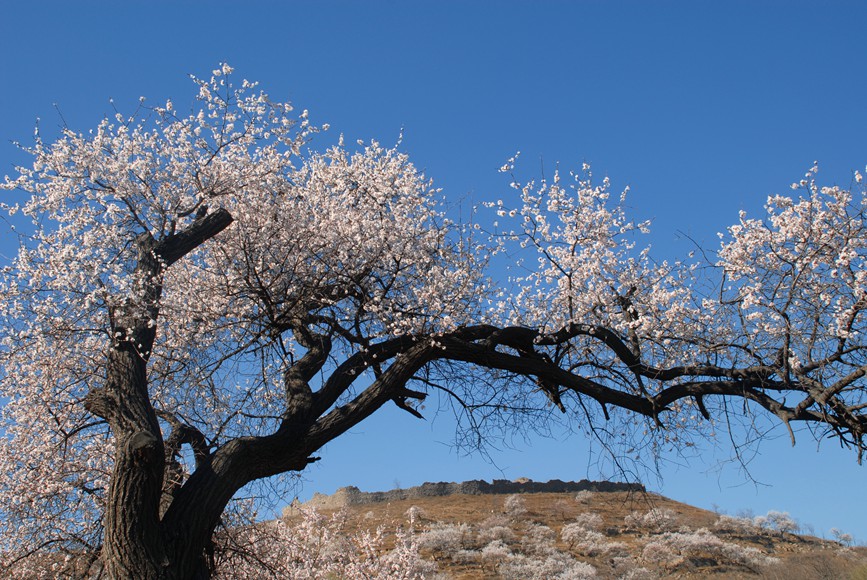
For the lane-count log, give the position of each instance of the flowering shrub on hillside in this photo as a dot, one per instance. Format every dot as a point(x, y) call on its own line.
point(554, 566)
point(317, 547)
point(515, 506)
point(443, 538)
point(780, 522)
point(674, 548)
point(660, 520)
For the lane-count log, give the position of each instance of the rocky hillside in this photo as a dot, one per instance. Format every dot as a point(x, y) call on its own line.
point(569, 530)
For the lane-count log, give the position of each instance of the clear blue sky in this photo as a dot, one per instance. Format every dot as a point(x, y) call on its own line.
point(703, 108)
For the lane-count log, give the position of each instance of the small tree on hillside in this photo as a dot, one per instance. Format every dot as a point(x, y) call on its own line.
point(201, 304)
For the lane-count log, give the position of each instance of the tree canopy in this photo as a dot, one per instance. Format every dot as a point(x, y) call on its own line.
point(201, 301)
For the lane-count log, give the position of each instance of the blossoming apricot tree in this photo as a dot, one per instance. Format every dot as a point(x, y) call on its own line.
point(200, 303)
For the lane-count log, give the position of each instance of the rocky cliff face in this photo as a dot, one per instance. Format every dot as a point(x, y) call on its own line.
point(351, 495)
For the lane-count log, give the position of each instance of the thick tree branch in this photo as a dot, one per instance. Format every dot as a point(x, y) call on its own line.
point(176, 246)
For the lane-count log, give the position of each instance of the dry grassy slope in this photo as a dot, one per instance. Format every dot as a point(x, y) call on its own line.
point(801, 557)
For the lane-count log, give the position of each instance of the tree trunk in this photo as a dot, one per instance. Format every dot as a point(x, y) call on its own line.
point(133, 546)
point(136, 545)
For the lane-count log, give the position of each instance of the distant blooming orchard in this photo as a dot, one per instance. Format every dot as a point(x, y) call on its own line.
point(200, 302)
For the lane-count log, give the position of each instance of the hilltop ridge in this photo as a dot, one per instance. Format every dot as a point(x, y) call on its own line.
point(352, 496)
